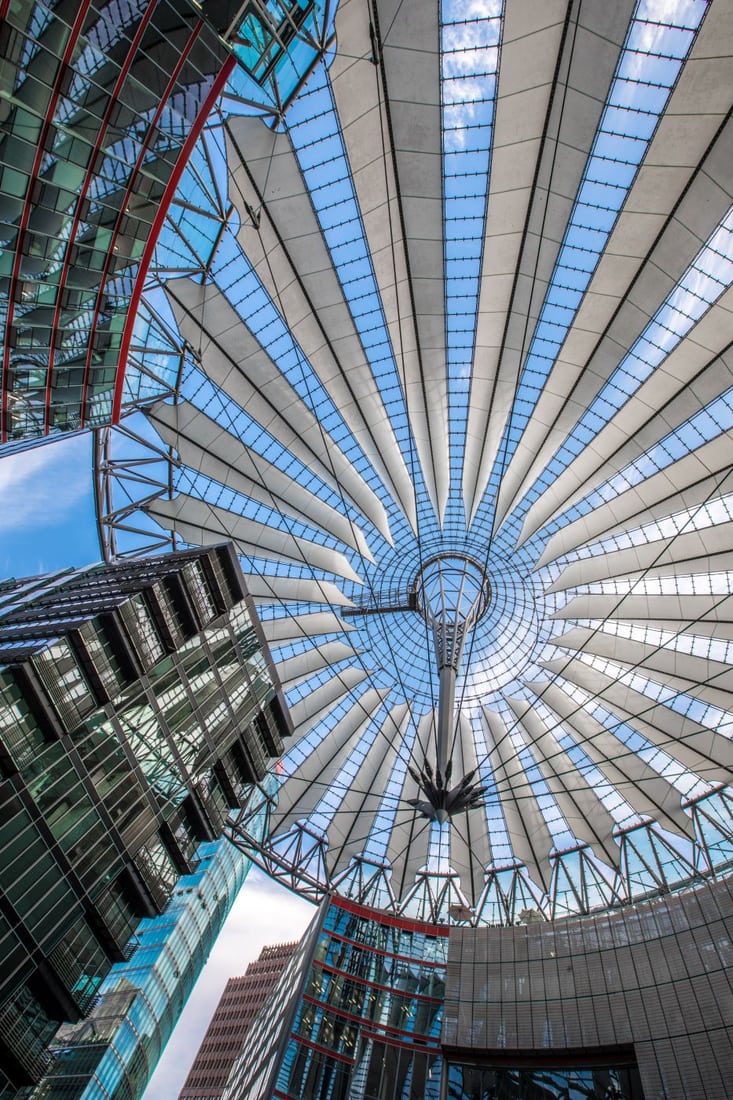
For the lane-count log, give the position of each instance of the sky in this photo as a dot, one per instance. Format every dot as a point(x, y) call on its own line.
point(47, 522)
point(47, 508)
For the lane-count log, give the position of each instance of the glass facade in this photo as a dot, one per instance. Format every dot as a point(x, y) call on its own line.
point(356, 1014)
point(100, 103)
point(484, 1083)
point(112, 1053)
point(136, 711)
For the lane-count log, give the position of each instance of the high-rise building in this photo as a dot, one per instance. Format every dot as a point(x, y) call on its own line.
point(240, 1002)
point(138, 704)
point(113, 1051)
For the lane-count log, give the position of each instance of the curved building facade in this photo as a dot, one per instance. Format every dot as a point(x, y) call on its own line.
point(648, 986)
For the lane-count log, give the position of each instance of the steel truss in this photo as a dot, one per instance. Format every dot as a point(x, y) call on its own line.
point(648, 867)
point(134, 469)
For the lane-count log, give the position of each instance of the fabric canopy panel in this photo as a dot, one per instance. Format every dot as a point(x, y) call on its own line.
point(470, 302)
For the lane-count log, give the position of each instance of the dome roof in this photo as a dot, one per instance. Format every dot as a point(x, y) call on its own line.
point(463, 310)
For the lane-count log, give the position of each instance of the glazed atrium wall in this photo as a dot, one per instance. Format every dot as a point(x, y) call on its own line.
point(356, 1013)
point(628, 1004)
point(138, 707)
point(102, 102)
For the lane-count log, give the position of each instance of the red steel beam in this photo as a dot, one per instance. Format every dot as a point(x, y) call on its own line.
point(88, 179)
point(129, 191)
point(74, 35)
point(147, 256)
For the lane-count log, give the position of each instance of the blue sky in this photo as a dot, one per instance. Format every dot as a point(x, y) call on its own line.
point(47, 508)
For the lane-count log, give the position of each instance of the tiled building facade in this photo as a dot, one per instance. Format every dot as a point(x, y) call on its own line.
point(649, 985)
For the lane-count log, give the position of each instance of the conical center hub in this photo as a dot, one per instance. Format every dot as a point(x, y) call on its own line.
point(452, 593)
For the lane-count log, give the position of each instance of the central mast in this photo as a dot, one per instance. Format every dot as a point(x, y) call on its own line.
point(452, 594)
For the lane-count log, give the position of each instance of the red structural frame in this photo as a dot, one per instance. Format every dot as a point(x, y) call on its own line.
point(74, 35)
point(358, 980)
point(408, 924)
point(336, 1055)
point(129, 192)
point(374, 1027)
point(380, 950)
point(207, 105)
point(88, 179)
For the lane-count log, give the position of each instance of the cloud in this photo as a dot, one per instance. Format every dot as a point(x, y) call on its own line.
point(39, 487)
point(264, 913)
point(473, 9)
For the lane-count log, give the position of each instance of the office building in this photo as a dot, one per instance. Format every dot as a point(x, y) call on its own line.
point(442, 295)
point(357, 1012)
point(138, 706)
point(113, 1051)
point(240, 1002)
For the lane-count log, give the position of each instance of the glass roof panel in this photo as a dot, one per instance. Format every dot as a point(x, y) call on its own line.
point(332, 284)
point(651, 59)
